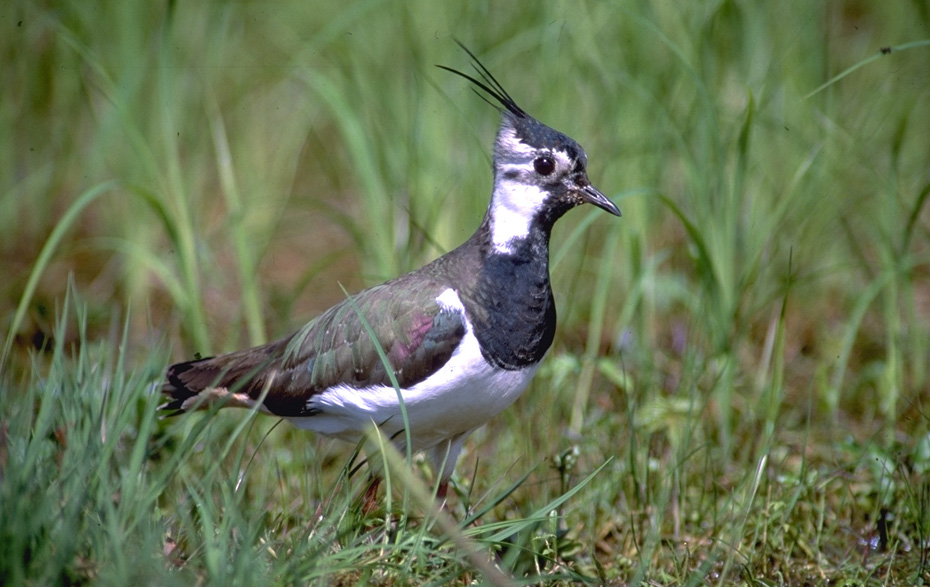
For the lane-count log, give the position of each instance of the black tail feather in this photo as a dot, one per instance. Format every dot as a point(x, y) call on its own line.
point(177, 391)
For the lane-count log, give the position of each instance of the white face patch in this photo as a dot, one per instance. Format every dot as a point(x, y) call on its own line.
point(513, 207)
point(510, 145)
point(518, 193)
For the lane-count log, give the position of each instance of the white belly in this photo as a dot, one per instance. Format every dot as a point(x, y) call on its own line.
point(464, 394)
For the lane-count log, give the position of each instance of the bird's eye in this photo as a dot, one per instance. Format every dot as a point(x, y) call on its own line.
point(544, 165)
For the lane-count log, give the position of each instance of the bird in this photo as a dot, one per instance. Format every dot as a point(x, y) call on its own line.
point(433, 354)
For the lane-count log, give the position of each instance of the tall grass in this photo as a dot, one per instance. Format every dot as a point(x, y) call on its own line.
point(737, 390)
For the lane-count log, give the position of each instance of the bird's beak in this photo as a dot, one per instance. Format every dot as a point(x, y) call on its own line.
point(591, 195)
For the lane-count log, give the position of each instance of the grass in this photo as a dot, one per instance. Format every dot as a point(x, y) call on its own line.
point(738, 388)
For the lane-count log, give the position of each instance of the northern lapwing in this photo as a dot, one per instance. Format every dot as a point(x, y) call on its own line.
point(462, 336)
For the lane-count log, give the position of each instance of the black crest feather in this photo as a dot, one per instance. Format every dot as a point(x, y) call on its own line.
point(488, 84)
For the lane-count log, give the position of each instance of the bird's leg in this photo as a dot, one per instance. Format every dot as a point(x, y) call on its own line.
point(370, 499)
point(444, 456)
point(441, 492)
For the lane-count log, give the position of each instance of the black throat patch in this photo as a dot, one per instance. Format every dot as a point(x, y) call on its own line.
point(513, 311)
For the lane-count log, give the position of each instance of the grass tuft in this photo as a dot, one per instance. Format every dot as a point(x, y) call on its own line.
point(737, 392)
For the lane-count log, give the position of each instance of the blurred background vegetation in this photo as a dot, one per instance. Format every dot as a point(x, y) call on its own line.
point(210, 175)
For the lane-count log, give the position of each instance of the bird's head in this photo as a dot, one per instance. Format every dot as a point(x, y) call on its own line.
point(539, 172)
